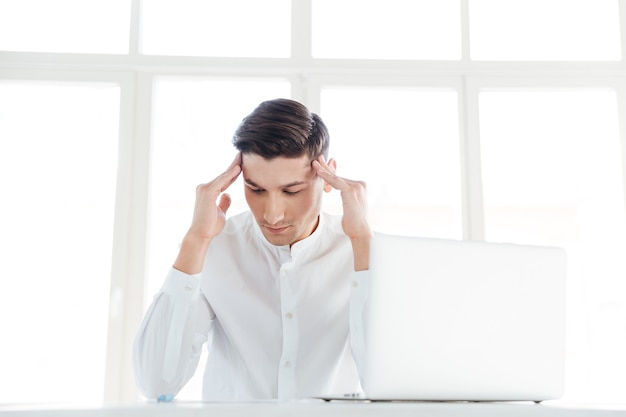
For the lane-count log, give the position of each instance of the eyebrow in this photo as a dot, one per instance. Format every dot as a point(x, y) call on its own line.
point(291, 184)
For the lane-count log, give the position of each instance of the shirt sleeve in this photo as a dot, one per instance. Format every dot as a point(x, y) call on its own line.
point(169, 341)
point(358, 318)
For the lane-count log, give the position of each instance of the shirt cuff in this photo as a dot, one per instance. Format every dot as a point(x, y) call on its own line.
point(181, 286)
point(361, 283)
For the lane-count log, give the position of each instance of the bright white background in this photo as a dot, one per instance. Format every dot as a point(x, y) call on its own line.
point(464, 123)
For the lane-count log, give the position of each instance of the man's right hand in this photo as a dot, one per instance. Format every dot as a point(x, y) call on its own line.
point(209, 218)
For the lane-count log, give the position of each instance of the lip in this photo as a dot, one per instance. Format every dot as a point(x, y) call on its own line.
point(276, 230)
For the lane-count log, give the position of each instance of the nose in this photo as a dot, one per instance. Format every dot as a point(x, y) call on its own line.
point(274, 210)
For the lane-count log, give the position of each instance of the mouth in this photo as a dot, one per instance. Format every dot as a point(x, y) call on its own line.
point(276, 230)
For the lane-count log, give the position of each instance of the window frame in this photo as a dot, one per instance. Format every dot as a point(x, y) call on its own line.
point(134, 73)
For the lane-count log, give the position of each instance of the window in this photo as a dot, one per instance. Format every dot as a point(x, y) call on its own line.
point(545, 30)
point(553, 176)
point(393, 29)
point(194, 122)
point(86, 26)
point(234, 28)
point(58, 164)
point(398, 140)
point(493, 120)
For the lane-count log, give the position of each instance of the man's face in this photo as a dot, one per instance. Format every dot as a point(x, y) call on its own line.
point(284, 195)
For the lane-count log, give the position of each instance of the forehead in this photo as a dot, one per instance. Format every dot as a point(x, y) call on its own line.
point(276, 172)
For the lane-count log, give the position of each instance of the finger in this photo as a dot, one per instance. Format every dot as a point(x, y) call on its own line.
point(230, 175)
point(225, 201)
point(325, 173)
point(236, 161)
point(322, 161)
point(320, 165)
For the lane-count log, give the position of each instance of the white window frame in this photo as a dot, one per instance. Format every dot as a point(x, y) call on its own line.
point(134, 73)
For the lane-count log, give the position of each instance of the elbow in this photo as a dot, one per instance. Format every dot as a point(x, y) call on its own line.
point(148, 373)
point(150, 382)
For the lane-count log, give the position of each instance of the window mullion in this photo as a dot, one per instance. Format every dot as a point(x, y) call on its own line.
point(465, 38)
point(473, 215)
point(621, 111)
point(301, 30)
point(622, 19)
point(130, 238)
point(135, 17)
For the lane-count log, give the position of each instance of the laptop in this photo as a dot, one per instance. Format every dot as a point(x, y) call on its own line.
point(454, 320)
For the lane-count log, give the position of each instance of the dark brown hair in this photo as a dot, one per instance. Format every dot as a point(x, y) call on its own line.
point(282, 127)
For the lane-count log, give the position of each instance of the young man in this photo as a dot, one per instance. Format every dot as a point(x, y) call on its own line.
point(276, 292)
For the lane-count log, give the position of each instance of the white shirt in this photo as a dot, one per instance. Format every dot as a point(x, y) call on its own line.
point(279, 322)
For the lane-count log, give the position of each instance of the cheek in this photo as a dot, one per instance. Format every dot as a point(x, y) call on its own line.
point(252, 200)
point(311, 202)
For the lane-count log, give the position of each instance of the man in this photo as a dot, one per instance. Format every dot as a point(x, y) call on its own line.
point(276, 292)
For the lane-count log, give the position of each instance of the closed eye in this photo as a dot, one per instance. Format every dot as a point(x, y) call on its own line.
point(291, 192)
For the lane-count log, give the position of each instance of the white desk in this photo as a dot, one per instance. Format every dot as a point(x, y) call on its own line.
point(316, 408)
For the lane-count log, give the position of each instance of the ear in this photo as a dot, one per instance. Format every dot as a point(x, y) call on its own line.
point(332, 164)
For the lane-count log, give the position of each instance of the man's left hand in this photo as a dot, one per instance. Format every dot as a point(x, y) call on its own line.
point(354, 221)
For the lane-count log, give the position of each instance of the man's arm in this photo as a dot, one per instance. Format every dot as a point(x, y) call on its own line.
point(356, 227)
point(361, 250)
point(208, 219)
point(169, 340)
point(168, 343)
point(354, 220)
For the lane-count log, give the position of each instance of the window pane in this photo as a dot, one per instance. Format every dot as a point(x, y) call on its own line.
point(405, 144)
point(234, 28)
point(545, 30)
point(58, 162)
point(553, 175)
point(392, 29)
point(193, 124)
point(87, 26)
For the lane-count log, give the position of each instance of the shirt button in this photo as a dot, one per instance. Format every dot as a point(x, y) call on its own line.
point(189, 287)
point(355, 284)
point(287, 364)
point(289, 315)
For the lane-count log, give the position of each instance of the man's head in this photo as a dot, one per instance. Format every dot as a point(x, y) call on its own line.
point(282, 127)
point(278, 141)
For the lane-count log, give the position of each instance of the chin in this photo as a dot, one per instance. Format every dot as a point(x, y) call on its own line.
point(279, 240)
